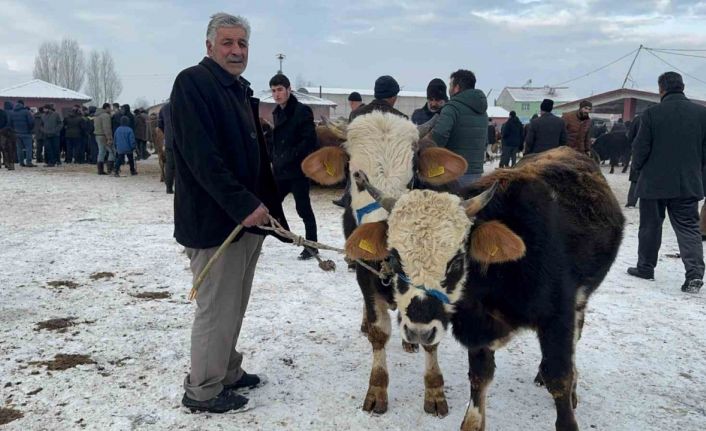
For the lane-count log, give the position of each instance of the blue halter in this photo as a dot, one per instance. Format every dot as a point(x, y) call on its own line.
point(360, 213)
point(441, 296)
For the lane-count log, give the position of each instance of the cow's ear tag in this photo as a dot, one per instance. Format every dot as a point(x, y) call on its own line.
point(366, 245)
point(330, 170)
point(436, 171)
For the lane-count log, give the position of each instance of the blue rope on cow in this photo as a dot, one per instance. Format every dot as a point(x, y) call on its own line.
point(360, 213)
point(441, 296)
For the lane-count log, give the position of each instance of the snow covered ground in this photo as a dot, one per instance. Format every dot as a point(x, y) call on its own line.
point(642, 359)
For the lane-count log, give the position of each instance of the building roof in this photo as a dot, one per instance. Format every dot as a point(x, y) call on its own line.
point(38, 89)
point(307, 99)
point(537, 94)
point(371, 93)
point(611, 96)
point(498, 112)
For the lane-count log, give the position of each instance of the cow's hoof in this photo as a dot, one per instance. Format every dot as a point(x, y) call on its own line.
point(472, 421)
point(409, 347)
point(376, 400)
point(570, 425)
point(538, 380)
point(435, 402)
point(574, 399)
point(364, 327)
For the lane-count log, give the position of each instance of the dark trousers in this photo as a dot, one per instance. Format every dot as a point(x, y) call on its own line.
point(141, 149)
point(632, 194)
point(169, 168)
point(120, 159)
point(299, 188)
point(92, 149)
point(51, 151)
point(41, 152)
point(75, 150)
point(684, 217)
point(509, 154)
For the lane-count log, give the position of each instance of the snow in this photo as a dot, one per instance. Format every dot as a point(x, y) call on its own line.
point(363, 92)
point(537, 94)
point(38, 89)
point(641, 360)
point(307, 99)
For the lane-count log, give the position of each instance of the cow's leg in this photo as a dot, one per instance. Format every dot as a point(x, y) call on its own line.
point(556, 339)
point(481, 368)
point(410, 347)
point(364, 322)
point(434, 399)
point(379, 329)
point(578, 330)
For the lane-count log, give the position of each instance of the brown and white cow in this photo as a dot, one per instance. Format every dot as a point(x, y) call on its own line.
point(526, 251)
point(388, 147)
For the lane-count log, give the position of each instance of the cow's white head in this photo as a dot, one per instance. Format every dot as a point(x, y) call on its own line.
point(430, 243)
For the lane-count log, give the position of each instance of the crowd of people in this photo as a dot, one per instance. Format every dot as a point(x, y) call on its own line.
point(84, 135)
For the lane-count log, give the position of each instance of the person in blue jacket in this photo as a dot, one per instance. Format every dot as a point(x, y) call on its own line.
point(125, 144)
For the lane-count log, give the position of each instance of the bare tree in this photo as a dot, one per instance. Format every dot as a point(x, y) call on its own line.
point(141, 102)
point(61, 64)
point(103, 83)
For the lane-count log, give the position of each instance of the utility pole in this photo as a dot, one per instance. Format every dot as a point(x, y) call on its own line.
point(631, 65)
point(280, 57)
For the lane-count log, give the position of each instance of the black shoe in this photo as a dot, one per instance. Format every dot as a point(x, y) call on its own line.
point(226, 401)
point(637, 273)
point(339, 203)
point(170, 191)
point(692, 286)
point(629, 206)
point(30, 165)
point(308, 253)
point(703, 237)
point(133, 173)
point(250, 381)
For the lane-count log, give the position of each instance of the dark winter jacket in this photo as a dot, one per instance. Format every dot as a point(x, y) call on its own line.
point(74, 125)
point(222, 170)
point(512, 132)
point(4, 121)
point(669, 151)
point(38, 130)
point(124, 140)
point(462, 128)
point(52, 124)
point(141, 127)
point(422, 115)
point(294, 138)
point(165, 123)
point(375, 105)
point(115, 119)
point(21, 120)
point(546, 132)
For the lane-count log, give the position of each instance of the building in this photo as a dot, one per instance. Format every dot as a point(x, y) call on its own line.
point(407, 101)
point(498, 114)
point(525, 101)
point(320, 107)
point(36, 93)
point(622, 103)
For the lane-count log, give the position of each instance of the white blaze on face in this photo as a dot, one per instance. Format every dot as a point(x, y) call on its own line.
point(427, 229)
point(382, 145)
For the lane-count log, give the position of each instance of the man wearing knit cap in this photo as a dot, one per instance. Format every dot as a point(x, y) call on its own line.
point(546, 132)
point(355, 101)
point(578, 127)
point(436, 97)
point(386, 90)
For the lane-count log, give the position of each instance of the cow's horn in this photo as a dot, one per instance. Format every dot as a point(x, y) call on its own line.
point(425, 128)
point(385, 201)
point(474, 205)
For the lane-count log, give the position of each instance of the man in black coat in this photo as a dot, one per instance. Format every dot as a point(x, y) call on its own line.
point(223, 179)
point(511, 132)
point(632, 192)
point(436, 98)
point(165, 124)
point(294, 138)
point(546, 132)
point(669, 154)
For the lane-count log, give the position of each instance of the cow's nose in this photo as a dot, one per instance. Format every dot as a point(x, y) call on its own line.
point(424, 337)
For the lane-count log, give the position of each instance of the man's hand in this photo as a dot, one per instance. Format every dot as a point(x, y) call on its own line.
point(257, 217)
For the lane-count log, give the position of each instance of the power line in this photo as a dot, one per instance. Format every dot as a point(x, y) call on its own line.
point(676, 68)
point(675, 53)
point(678, 49)
point(597, 70)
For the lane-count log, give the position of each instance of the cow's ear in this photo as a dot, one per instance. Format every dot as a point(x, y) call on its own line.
point(493, 242)
point(368, 242)
point(439, 166)
point(326, 166)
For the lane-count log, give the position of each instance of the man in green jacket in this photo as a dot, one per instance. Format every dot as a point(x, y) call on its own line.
point(462, 124)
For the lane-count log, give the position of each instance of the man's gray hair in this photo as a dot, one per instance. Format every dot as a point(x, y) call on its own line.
point(222, 19)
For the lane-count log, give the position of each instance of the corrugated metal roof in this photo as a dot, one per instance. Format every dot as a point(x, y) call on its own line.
point(371, 93)
point(498, 112)
point(307, 99)
point(537, 94)
point(39, 89)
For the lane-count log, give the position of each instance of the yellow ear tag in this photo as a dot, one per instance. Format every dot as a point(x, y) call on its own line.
point(329, 169)
point(495, 250)
point(436, 171)
point(364, 244)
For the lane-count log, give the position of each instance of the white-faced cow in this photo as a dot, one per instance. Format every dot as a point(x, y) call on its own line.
point(388, 148)
point(526, 251)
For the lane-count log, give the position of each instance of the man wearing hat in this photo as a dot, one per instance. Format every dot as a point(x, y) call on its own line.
point(355, 101)
point(436, 97)
point(578, 127)
point(546, 132)
point(386, 90)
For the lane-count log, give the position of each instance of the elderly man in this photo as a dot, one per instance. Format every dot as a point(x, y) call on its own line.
point(436, 98)
point(669, 155)
point(355, 101)
point(223, 179)
point(578, 127)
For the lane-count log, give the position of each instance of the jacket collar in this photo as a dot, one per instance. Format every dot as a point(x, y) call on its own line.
point(225, 78)
point(289, 107)
point(673, 95)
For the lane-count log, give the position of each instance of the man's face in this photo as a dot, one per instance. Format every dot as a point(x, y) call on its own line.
point(230, 49)
point(583, 112)
point(280, 94)
point(453, 88)
point(435, 104)
point(354, 104)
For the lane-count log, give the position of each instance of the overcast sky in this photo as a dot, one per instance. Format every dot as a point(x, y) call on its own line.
point(349, 43)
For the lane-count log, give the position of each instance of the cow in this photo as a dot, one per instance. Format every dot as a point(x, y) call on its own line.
point(8, 147)
point(613, 146)
point(331, 133)
point(525, 250)
point(390, 149)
